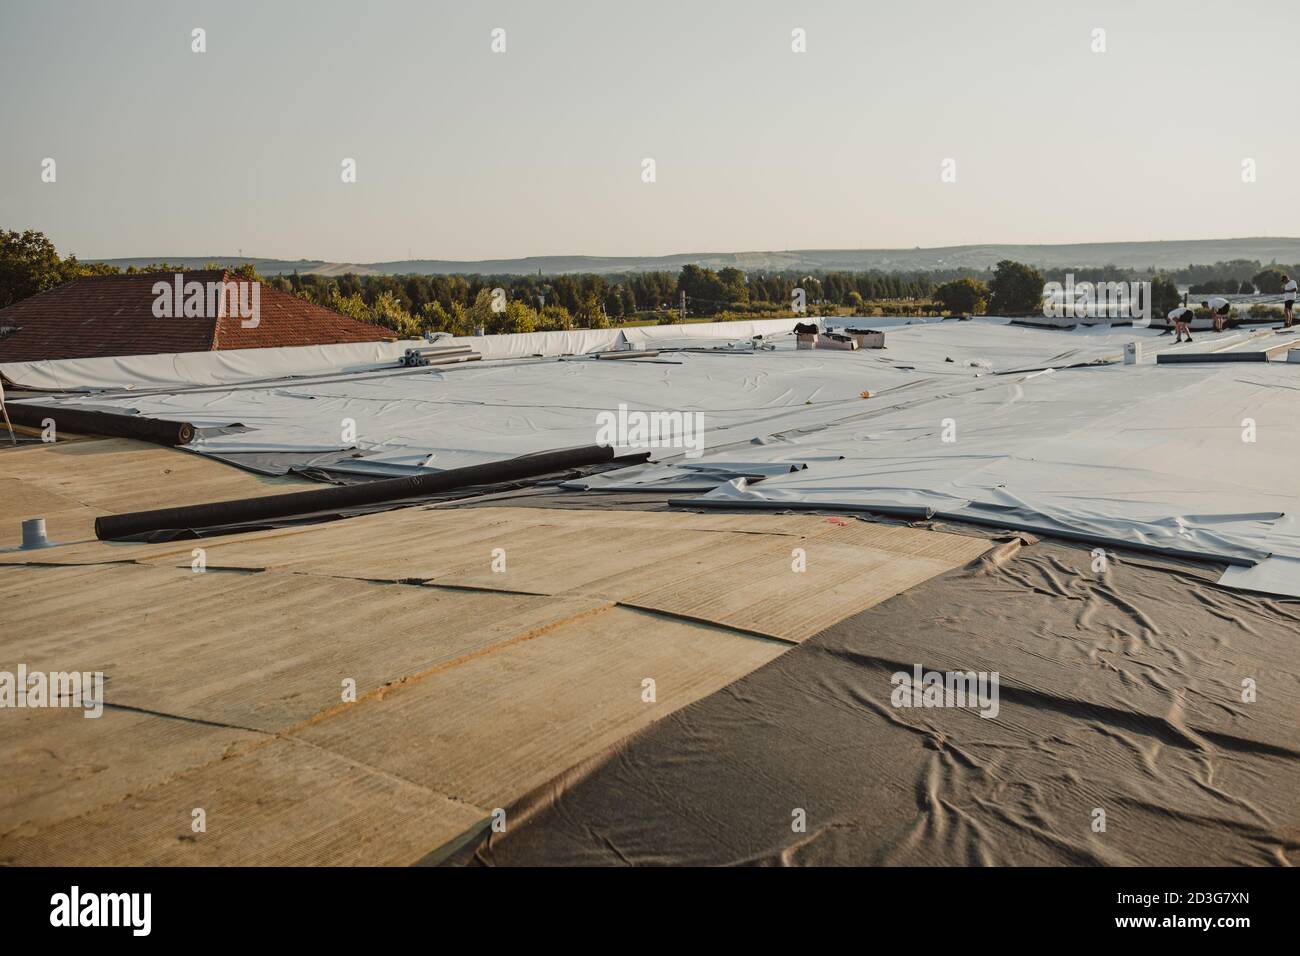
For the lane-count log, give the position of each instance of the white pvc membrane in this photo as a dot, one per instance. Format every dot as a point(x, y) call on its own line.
point(962, 420)
point(244, 365)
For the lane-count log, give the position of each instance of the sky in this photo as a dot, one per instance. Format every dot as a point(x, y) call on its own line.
point(465, 153)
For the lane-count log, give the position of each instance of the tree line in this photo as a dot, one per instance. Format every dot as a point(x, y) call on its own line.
point(1016, 289)
point(463, 304)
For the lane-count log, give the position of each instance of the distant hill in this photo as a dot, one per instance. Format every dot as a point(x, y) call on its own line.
point(1127, 255)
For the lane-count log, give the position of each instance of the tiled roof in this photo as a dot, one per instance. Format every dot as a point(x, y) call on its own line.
point(113, 315)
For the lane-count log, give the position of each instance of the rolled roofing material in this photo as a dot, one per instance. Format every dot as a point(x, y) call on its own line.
point(435, 354)
point(110, 527)
point(456, 357)
point(910, 512)
point(1192, 358)
point(88, 422)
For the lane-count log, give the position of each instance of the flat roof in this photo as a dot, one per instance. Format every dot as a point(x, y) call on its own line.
point(373, 690)
point(472, 685)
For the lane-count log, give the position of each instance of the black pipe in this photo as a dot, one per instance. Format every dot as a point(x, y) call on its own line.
point(83, 421)
point(907, 512)
point(242, 510)
point(1196, 358)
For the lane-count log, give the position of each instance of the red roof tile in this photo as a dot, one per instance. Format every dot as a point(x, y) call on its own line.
point(113, 315)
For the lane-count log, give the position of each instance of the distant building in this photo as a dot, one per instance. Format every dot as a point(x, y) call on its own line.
point(119, 315)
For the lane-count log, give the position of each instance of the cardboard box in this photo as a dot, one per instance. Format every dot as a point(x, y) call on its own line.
point(836, 341)
point(868, 338)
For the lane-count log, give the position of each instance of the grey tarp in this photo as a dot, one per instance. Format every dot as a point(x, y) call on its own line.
point(949, 420)
point(1120, 692)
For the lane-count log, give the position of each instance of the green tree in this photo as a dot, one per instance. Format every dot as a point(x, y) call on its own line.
point(353, 305)
point(1016, 289)
point(1164, 295)
point(518, 317)
point(590, 314)
point(963, 296)
point(705, 292)
point(480, 312)
point(1269, 281)
point(460, 323)
point(29, 264)
point(554, 318)
point(735, 291)
point(388, 312)
point(615, 305)
point(435, 318)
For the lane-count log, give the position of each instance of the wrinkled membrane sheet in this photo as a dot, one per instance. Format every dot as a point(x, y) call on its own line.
point(447, 416)
point(239, 366)
point(978, 420)
point(1120, 692)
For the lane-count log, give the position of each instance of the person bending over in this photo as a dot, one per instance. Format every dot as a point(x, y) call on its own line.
point(1219, 308)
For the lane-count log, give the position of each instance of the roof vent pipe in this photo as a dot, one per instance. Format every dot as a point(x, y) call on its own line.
point(34, 533)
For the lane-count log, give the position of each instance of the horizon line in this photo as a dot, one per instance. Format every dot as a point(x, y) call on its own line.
point(675, 255)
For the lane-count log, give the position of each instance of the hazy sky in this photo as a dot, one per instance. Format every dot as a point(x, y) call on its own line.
point(463, 153)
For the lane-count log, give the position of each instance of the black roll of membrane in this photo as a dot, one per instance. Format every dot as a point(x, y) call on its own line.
point(83, 421)
point(1196, 358)
point(112, 527)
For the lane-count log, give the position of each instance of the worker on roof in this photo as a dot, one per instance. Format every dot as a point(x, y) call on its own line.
point(1219, 308)
point(1181, 317)
point(1288, 300)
